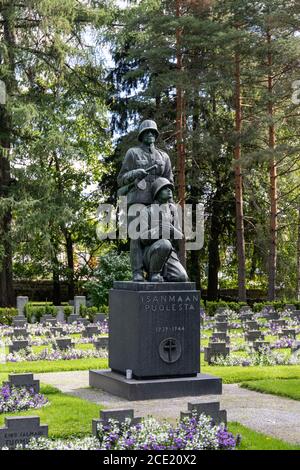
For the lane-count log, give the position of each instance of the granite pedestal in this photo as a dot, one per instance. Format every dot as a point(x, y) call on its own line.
point(154, 339)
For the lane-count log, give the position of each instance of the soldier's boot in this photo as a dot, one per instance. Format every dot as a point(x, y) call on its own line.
point(138, 276)
point(155, 277)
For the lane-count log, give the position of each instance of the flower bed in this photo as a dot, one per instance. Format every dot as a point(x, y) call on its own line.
point(19, 399)
point(55, 355)
point(195, 433)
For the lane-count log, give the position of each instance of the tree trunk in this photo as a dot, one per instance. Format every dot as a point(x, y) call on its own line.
point(56, 282)
point(239, 185)
point(213, 250)
point(298, 259)
point(273, 184)
point(70, 261)
point(180, 127)
point(6, 274)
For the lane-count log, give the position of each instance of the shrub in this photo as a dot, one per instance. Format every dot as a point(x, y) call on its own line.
point(68, 311)
point(112, 266)
point(211, 307)
point(7, 315)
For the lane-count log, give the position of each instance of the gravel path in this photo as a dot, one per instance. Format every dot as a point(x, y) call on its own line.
point(272, 415)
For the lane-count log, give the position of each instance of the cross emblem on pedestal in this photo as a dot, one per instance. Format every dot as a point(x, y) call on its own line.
point(170, 350)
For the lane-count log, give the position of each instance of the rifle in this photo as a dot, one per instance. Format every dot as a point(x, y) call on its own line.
point(125, 189)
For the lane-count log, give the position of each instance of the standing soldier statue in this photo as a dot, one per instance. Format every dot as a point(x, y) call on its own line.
point(141, 167)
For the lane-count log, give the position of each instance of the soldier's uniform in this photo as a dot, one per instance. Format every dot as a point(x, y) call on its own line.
point(142, 158)
point(136, 158)
point(160, 257)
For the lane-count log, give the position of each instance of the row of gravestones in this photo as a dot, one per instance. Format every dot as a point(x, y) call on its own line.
point(220, 339)
point(75, 316)
point(59, 343)
point(268, 311)
point(18, 431)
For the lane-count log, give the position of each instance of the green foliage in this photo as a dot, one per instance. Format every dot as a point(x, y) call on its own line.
point(37, 311)
point(7, 315)
point(68, 311)
point(112, 266)
point(88, 312)
point(211, 307)
point(277, 305)
point(285, 388)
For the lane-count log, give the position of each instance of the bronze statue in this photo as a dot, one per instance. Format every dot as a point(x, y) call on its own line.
point(141, 167)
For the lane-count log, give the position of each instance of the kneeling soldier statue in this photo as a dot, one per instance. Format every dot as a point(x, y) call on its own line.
point(160, 229)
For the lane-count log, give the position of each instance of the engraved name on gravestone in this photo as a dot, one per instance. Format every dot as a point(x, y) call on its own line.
point(19, 430)
point(24, 380)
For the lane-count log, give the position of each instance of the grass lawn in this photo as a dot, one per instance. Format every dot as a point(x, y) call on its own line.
point(252, 440)
point(237, 374)
point(229, 375)
point(66, 416)
point(286, 388)
point(54, 366)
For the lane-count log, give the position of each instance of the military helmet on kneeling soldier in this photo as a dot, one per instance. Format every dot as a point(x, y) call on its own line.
point(160, 183)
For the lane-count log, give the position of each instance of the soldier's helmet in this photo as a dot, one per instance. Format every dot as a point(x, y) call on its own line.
point(145, 126)
point(158, 184)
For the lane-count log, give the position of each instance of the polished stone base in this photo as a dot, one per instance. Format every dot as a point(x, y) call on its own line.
point(134, 390)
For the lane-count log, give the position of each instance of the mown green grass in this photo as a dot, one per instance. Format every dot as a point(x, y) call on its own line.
point(54, 366)
point(252, 440)
point(239, 374)
point(229, 375)
point(65, 415)
point(285, 388)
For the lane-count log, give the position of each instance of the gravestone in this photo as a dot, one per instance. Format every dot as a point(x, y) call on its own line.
point(154, 343)
point(60, 317)
point(221, 326)
point(278, 323)
point(48, 319)
point(253, 335)
point(211, 409)
point(63, 343)
point(287, 333)
point(246, 317)
point(290, 307)
point(117, 415)
point(90, 330)
point(101, 342)
point(73, 318)
point(295, 315)
point(220, 336)
point(79, 300)
point(20, 332)
point(24, 380)
point(84, 321)
point(215, 350)
point(57, 331)
point(20, 429)
point(18, 345)
point(221, 309)
point(258, 345)
point(245, 309)
point(251, 325)
point(99, 317)
point(19, 321)
point(221, 317)
point(21, 302)
point(295, 346)
point(272, 315)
